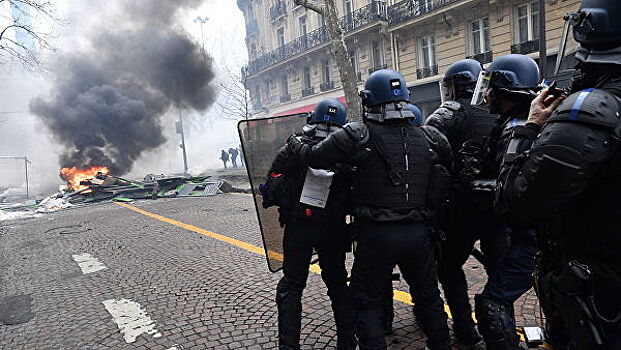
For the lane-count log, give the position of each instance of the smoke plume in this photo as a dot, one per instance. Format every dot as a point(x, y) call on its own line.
point(107, 99)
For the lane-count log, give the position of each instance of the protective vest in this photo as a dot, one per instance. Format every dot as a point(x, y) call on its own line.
point(396, 171)
point(590, 225)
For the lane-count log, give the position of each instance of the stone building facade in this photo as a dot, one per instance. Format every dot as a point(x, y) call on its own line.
point(290, 67)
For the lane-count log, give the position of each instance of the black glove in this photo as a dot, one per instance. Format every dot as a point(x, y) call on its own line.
point(294, 145)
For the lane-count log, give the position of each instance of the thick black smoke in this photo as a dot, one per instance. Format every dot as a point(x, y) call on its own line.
point(106, 101)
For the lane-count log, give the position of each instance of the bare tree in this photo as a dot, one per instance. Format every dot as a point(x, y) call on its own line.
point(327, 8)
point(234, 99)
point(11, 48)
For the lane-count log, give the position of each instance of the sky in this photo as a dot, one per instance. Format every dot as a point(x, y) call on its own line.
point(22, 134)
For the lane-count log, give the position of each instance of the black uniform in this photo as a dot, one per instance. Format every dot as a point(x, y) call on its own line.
point(470, 133)
point(392, 198)
point(569, 182)
point(308, 228)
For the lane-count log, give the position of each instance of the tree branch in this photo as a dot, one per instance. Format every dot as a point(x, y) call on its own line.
point(313, 5)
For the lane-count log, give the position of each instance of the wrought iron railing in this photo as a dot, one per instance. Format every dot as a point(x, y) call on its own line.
point(408, 9)
point(326, 86)
point(373, 12)
point(278, 9)
point(252, 27)
point(308, 92)
point(381, 66)
point(483, 57)
point(285, 98)
point(526, 47)
point(426, 72)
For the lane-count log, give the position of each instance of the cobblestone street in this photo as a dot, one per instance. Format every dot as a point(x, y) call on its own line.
point(164, 274)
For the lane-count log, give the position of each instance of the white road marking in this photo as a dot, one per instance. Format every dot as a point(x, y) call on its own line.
point(174, 348)
point(131, 319)
point(88, 263)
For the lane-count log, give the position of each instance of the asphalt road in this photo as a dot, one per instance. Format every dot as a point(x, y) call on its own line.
point(184, 273)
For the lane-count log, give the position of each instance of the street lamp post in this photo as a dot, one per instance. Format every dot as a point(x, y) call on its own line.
point(202, 21)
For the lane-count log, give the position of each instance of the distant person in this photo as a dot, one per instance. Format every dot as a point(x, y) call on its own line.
point(234, 153)
point(241, 156)
point(225, 157)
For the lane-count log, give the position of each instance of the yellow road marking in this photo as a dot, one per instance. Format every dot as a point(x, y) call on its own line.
point(398, 295)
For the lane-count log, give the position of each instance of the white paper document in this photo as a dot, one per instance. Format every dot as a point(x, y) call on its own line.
point(316, 187)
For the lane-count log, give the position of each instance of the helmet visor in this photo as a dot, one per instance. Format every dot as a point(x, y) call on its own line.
point(447, 90)
point(483, 83)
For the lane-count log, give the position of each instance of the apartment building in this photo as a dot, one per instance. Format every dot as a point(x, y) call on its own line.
point(290, 67)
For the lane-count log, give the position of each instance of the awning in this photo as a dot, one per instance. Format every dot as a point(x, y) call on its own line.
point(304, 109)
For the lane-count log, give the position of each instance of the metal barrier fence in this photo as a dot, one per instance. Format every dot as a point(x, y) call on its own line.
point(14, 178)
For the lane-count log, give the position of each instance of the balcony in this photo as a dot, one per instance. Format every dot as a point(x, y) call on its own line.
point(285, 98)
point(373, 12)
point(307, 92)
point(326, 86)
point(483, 57)
point(376, 11)
point(526, 47)
point(381, 66)
point(410, 9)
point(278, 9)
point(426, 72)
point(252, 27)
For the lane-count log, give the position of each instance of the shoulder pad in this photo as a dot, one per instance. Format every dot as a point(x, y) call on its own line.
point(590, 106)
point(434, 136)
point(440, 118)
point(452, 105)
point(356, 130)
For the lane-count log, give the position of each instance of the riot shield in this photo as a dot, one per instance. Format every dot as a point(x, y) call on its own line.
point(260, 140)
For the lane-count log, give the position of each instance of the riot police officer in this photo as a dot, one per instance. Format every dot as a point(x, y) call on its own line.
point(563, 171)
point(309, 227)
point(471, 216)
point(508, 87)
point(393, 201)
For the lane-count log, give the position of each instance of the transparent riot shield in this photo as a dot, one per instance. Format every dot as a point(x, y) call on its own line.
point(260, 140)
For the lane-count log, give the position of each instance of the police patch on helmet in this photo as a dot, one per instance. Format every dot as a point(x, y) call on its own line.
point(332, 110)
point(395, 86)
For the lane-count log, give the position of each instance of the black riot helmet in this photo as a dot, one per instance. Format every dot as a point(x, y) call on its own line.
point(597, 28)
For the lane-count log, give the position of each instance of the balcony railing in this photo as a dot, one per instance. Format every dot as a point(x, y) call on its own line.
point(426, 72)
point(308, 92)
point(375, 11)
point(285, 98)
point(526, 47)
point(409, 9)
point(326, 86)
point(278, 9)
point(252, 27)
point(483, 57)
point(381, 66)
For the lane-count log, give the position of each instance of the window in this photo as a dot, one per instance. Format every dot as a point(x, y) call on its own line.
point(376, 54)
point(325, 72)
point(284, 85)
point(348, 7)
point(354, 61)
point(527, 22)
point(427, 51)
point(479, 36)
point(303, 26)
point(268, 90)
point(426, 6)
point(280, 36)
point(257, 96)
point(307, 78)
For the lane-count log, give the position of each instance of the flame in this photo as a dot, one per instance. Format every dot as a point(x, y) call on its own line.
point(74, 176)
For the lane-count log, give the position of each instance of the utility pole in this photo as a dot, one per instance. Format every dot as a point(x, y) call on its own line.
point(543, 47)
point(26, 162)
point(182, 145)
